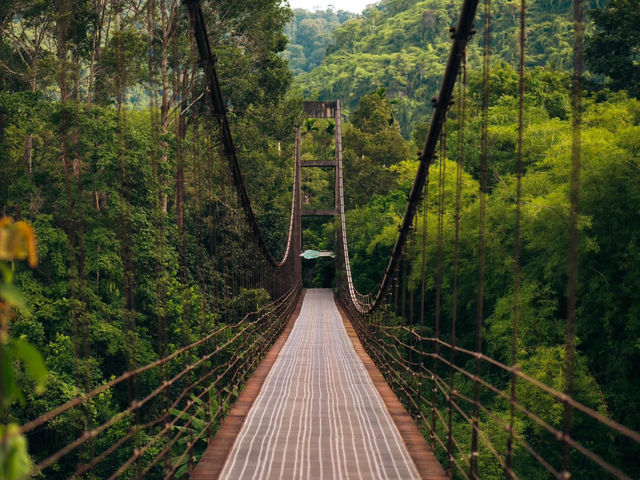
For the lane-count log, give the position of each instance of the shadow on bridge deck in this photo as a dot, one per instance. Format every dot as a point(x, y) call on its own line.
point(317, 407)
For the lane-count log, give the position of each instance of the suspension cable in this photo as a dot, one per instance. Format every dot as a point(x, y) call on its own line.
point(461, 101)
point(574, 198)
point(442, 163)
point(208, 61)
point(461, 36)
point(517, 248)
point(481, 232)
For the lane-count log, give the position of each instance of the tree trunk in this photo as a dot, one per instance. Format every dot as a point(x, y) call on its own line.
point(96, 51)
point(28, 156)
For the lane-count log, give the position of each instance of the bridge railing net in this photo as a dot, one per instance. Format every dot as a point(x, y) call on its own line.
point(179, 402)
point(154, 420)
point(483, 417)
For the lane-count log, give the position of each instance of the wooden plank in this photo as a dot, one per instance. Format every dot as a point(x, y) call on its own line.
point(319, 163)
point(315, 109)
point(312, 387)
point(320, 212)
point(319, 415)
point(428, 466)
point(212, 461)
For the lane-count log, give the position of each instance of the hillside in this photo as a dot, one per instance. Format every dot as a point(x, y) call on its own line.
point(402, 45)
point(309, 36)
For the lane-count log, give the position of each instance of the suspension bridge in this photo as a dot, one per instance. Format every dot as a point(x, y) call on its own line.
point(335, 384)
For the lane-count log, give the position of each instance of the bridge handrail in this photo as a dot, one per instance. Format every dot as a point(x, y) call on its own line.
point(208, 64)
point(279, 307)
point(418, 368)
point(461, 35)
point(360, 301)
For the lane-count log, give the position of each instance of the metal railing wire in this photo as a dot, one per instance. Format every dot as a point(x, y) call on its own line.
point(231, 354)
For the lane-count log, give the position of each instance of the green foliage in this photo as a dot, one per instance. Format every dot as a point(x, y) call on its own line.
point(372, 145)
point(612, 50)
point(122, 63)
point(401, 46)
point(96, 176)
point(17, 242)
point(14, 458)
point(309, 35)
point(192, 423)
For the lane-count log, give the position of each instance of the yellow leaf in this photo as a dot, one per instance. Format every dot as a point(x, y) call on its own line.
point(17, 241)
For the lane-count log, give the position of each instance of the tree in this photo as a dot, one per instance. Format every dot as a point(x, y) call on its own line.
point(614, 50)
point(372, 143)
point(309, 35)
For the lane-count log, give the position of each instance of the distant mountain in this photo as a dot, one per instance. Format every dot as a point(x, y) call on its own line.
point(309, 35)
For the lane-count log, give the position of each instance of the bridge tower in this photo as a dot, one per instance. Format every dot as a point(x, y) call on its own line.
point(315, 109)
point(329, 110)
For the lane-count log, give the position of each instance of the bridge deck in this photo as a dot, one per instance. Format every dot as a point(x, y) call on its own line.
point(319, 414)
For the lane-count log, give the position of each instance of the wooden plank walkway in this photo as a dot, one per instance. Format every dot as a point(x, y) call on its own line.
point(323, 412)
